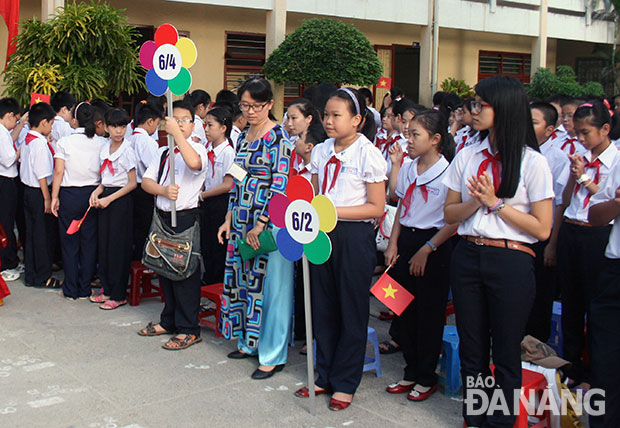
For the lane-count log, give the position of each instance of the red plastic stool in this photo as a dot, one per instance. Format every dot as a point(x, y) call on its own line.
point(212, 292)
point(141, 285)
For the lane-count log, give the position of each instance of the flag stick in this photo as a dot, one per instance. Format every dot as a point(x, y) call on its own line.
point(392, 264)
point(173, 205)
point(309, 336)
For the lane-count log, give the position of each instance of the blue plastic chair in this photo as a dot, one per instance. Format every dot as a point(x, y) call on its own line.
point(555, 338)
point(450, 363)
point(370, 362)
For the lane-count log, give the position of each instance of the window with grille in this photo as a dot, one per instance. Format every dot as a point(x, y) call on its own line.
point(504, 64)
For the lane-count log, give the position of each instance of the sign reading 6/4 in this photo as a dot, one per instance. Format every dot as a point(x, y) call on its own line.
point(167, 62)
point(302, 221)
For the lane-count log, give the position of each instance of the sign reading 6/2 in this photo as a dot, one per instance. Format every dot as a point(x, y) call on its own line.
point(302, 221)
point(167, 62)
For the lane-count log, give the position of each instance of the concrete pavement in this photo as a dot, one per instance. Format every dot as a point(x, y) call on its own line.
point(69, 364)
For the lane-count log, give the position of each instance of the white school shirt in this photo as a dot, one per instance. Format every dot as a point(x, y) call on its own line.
point(60, 128)
point(81, 156)
point(559, 135)
point(234, 136)
point(376, 115)
point(361, 163)
point(129, 131)
point(8, 154)
point(199, 130)
point(394, 139)
point(423, 214)
point(21, 139)
point(535, 184)
point(145, 149)
point(36, 160)
point(224, 158)
point(303, 169)
point(122, 160)
point(607, 192)
point(190, 181)
point(576, 210)
point(558, 162)
point(566, 146)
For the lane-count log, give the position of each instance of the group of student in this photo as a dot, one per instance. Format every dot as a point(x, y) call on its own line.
point(491, 194)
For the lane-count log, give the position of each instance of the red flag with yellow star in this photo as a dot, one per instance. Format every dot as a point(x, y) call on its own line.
point(384, 83)
point(391, 294)
point(38, 98)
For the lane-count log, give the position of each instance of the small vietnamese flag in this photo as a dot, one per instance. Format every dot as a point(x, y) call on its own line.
point(391, 294)
point(76, 224)
point(38, 98)
point(384, 83)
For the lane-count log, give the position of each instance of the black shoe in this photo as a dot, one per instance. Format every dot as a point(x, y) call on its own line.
point(259, 374)
point(238, 355)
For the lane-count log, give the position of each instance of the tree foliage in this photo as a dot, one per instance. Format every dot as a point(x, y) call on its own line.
point(324, 50)
point(564, 81)
point(86, 48)
point(459, 87)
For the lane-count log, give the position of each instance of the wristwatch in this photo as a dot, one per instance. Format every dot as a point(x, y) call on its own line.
point(582, 179)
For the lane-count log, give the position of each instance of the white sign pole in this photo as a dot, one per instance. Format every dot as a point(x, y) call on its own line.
point(173, 212)
point(309, 335)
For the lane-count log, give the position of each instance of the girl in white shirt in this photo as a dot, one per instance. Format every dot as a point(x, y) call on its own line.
point(580, 245)
point(501, 192)
point(214, 199)
point(299, 116)
point(113, 200)
point(201, 101)
point(76, 175)
point(349, 170)
point(420, 238)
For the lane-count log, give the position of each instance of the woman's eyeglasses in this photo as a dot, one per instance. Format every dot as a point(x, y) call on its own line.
point(477, 106)
point(256, 107)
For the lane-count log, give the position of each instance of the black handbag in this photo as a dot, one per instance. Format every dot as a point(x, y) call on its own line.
point(173, 255)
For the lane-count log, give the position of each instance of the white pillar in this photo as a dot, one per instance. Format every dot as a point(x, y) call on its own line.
point(427, 48)
point(276, 30)
point(48, 8)
point(539, 44)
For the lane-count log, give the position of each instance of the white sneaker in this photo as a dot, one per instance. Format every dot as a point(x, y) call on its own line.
point(10, 274)
point(21, 268)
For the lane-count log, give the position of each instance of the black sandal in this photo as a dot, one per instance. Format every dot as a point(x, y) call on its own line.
point(149, 330)
point(389, 348)
point(186, 342)
point(52, 283)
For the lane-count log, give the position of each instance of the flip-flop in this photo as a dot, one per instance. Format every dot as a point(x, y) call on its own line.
point(390, 349)
point(109, 305)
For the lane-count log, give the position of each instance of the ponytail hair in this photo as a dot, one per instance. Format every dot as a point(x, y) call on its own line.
point(147, 109)
point(435, 123)
point(598, 114)
point(84, 113)
point(223, 116)
point(512, 124)
point(198, 97)
point(306, 108)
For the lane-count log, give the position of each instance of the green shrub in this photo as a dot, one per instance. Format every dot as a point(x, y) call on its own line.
point(564, 81)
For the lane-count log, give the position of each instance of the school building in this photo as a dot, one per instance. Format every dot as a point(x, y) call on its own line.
point(420, 42)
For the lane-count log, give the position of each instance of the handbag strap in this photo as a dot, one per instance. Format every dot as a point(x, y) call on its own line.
point(162, 161)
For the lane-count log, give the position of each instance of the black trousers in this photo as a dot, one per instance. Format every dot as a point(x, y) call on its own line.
point(421, 323)
point(79, 251)
point(581, 253)
point(212, 214)
point(115, 240)
point(341, 305)
point(604, 332)
point(539, 321)
point(40, 229)
point(20, 219)
point(493, 291)
point(142, 217)
point(182, 305)
point(299, 308)
point(8, 207)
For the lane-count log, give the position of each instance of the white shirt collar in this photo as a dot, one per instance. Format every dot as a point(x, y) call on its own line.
point(432, 173)
point(607, 157)
point(117, 154)
point(139, 130)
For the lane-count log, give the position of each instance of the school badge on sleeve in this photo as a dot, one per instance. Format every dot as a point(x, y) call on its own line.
point(391, 294)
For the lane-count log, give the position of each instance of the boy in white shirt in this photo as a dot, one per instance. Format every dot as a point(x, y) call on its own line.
point(63, 103)
point(9, 157)
point(36, 170)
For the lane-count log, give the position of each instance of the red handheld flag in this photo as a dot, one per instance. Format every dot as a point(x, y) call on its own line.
point(391, 294)
point(385, 83)
point(76, 224)
point(38, 98)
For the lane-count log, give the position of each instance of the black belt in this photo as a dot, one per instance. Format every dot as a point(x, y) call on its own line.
point(182, 213)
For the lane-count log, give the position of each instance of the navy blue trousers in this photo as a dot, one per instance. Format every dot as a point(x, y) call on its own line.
point(341, 304)
point(38, 249)
point(8, 207)
point(79, 251)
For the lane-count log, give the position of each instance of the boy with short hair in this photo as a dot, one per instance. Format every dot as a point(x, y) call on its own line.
point(63, 103)
point(9, 157)
point(36, 171)
point(570, 144)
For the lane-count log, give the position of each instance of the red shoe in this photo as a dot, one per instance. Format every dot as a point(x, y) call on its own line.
point(386, 316)
point(397, 388)
point(421, 396)
point(337, 405)
point(305, 392)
